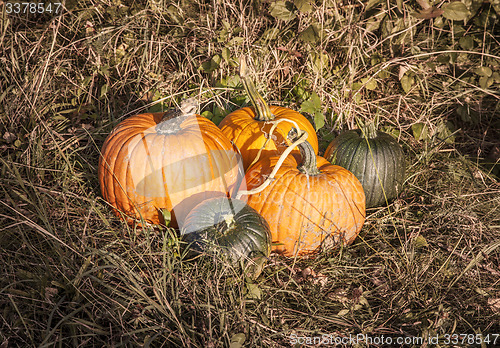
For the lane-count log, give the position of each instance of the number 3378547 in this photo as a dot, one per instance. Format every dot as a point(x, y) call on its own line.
point(33, 7)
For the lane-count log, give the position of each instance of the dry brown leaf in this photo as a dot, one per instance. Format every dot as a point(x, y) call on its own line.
point(429, 13)
point(494, 304)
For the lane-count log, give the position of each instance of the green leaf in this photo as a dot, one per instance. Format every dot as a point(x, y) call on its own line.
point(301, 92)
point(253, 291)
point(356, 86)
point(319, 61)
point(226, 54)
point(453, 57)
point(104, 90)
point(237, 40)
point(223, 35)
point(371, 4)
point(445, 132)
point(375, 59)
point(407, 82)
point(227, 25)
point(420, 242)
point(303, 6)
point(383, 74)
point(312, 106)
point(310, 34)
point(121, 51)
point(468, 114)
point(207, 114)
point(420, 131)
point(237, 340)
point(455, 11)
point(343, 312)
point(496, 77)
point(485, 82)
point(282, 10)
point(233, 81)
point(158, 107)
point(373, 23)
point(369, 83)
point(167, 216)
point(319, 120)
point(218, 114)
point(392, 131)
point(174, 14)
point(270, 34)
point(466, 42)
point(104, 70)
point(211, 65)
point(239, 100)
point(483, 71)
point(443, 58)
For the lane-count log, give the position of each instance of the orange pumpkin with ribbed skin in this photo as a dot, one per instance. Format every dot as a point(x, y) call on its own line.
point(248, 128)
point(155, 161)
point(249, 133)
point(310, 205)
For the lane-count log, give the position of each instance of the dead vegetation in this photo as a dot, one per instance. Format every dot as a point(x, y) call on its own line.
point(72, 274)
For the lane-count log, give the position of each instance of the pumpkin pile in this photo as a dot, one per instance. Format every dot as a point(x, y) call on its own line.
point(253, 184)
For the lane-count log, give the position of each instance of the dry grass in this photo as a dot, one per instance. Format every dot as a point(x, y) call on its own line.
point(72, 274)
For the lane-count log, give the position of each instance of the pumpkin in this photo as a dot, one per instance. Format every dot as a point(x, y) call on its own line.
point(248, 128)
point(376, 159)
point(229, 228)
point(157, 162)
point(310, 205)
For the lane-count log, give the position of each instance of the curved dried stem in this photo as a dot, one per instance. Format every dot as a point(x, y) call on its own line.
point(302, 138)
point(270, 135)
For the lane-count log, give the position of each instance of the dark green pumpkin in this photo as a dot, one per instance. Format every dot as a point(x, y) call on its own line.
point(375, 158)
point(231, 229)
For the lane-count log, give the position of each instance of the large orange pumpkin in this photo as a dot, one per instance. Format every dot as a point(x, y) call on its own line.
point(308, 205)
point(165, 161)
point(248, 128)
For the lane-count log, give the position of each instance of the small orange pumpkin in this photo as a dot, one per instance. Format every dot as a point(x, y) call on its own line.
point(166, 161)
point(248, 128)
point(308, 205)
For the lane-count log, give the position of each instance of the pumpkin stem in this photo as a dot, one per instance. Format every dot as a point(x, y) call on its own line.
point(369, 130)
point(229, 220)
point(262, 110)
point(172, 120)
point(309, 165)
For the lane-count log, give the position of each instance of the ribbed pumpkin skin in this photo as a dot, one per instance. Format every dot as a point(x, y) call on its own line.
point(249, 135)
point(247, 237)
point(141, 170)
point(384, 171)
point(306, 213)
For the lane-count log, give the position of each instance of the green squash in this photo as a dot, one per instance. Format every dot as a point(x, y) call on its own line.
point(375, 158)
point(231, 229)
